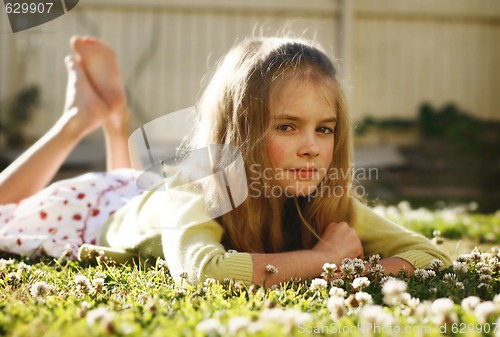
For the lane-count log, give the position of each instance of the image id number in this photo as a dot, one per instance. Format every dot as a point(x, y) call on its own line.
point(24, 7)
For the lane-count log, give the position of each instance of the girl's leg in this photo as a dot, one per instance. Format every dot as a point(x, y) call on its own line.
point(84, 112)
point(101, 67)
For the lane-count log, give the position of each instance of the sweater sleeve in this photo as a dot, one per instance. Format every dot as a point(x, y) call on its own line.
point(191, 242)
point(381, 236)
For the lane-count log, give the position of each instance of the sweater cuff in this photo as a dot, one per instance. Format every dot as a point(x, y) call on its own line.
point(239, 267)
point(417, 258)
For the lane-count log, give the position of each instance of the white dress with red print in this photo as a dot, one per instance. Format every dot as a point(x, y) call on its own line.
point(66, 214)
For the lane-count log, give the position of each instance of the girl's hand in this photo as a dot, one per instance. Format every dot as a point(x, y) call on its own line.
point(338, 242)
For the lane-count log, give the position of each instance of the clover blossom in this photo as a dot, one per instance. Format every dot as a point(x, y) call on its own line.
point(470, 303)
point(360, 283)
point(443, 311)
point(83, 284)
point(337, 292)
point(40, 289)
point(318, 284)
point(460, 267)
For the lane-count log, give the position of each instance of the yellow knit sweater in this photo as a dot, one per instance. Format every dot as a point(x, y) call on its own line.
point(177, 228)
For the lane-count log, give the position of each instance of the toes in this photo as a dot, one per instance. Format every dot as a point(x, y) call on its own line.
point(73, 63)
point(75, 42)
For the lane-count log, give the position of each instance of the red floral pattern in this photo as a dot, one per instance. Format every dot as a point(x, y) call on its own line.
point(66, 214)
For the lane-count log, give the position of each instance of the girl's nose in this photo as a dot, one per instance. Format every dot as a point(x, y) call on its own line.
point(309, 146)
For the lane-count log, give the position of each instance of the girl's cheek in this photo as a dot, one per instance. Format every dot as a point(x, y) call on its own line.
point(276, 151)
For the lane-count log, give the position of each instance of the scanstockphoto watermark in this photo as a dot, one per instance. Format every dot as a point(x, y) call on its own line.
point(332, 173)
point(275, 191)
point(260, 182)
point(364, 328)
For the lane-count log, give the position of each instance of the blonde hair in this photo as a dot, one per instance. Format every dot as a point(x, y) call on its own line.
point(235, 109)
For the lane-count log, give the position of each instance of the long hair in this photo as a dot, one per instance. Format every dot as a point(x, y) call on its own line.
point(235, 109)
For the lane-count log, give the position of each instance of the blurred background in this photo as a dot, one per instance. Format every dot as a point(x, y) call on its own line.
point(422, 78)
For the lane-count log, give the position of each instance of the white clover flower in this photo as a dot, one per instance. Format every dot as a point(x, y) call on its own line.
point(431, 274)
point(162, 264)
point(271, 269)
point(237, 324)
point(449, 278)
point(363, 298)
point(436, 232)
point(374, 259)
point(38, 273)
point(470, 303)
point(460, 267)
point(317, 284)
point(337, 292)
point(393, 291)
point(211, 326)
point(288, 317)
point(475, 255)
point(13, 278)
point(377, 270)
point(359, 266)
point(436, 264)
point(404, 206)
point(460, 285)
point(375, 315)
point(330, 268)
point(98, 284)
point(23, 268)
point(411, 306)
point(485, 271)
point(484, 311)
point(4, 263)
point(484, 286)
point(338, 282)
point(394, 287)
point(336, 306)
point(443, 311)
point(209, 281)
point(423, 310)
point(83, 284)
point(360, 283)
point(421, 274)
point(295, 317)
point(464, 258)
point(39, 289)
point(100, 315)
point(485, 278)
point(347, 269)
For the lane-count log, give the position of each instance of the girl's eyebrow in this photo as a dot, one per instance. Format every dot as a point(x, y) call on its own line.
point(299, 119)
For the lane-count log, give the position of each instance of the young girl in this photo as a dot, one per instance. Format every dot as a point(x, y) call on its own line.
point(278, 101)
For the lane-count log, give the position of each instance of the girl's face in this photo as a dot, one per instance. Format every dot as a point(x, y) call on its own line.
point(301, 140)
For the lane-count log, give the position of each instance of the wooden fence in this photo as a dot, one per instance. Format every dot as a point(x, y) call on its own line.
point(393, 54)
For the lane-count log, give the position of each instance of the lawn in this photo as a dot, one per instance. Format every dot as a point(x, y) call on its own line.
point(56, 297)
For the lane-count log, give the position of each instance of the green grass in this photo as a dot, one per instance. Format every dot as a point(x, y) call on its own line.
point(65, 298)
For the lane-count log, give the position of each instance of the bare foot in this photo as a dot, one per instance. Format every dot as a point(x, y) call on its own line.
point(84, 111)
point(101, 66)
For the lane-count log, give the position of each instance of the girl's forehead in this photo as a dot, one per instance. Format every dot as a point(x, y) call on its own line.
point(296, 86)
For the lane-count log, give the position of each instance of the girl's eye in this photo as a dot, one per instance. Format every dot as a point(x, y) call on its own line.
point(325, 130)
point(284, 127)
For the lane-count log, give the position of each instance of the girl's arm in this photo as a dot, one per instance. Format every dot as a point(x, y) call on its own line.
point(405, 248)
point(36, 167)
point(338, 242)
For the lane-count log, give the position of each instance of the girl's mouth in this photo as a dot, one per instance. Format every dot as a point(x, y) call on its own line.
point(304, 172)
